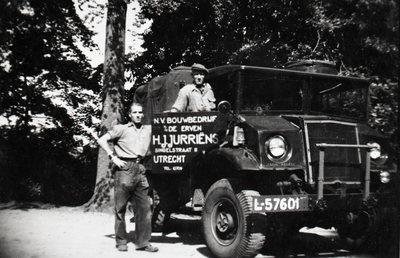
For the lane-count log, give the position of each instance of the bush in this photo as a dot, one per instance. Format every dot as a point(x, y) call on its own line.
point(39, 168)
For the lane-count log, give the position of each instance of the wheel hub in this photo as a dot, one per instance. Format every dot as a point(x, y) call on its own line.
point(224, 222)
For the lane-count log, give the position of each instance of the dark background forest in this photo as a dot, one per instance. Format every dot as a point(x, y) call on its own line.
point(51, 97)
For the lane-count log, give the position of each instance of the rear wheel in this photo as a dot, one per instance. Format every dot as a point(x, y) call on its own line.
point(359, 229)
point(373, 230)
point(352, 237)
point(159, 220)
point(229, 226)
point(161, 213)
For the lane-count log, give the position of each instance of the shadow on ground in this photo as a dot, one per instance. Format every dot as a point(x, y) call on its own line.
point(13, 205)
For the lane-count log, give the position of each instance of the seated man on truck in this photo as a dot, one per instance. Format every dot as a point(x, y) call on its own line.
point(195, 97)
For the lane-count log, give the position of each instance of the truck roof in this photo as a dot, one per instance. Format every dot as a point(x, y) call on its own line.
point(226, 69)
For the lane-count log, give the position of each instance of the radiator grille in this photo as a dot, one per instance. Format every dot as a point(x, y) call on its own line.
point(342, 164)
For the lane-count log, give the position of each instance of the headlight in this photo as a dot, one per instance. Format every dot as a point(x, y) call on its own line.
point(375, 151)
point(238, 136)
point(276, 146)
point(385, 177)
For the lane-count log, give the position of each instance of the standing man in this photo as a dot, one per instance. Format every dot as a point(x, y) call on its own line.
point(195, 97)
point(132, 142)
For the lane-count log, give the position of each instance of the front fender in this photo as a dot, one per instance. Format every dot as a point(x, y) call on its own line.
point(239, 158)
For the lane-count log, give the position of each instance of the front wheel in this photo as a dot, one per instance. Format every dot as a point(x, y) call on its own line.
point(374, 230)
point(230, 228)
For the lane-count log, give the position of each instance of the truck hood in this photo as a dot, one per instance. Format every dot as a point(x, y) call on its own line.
point(270, 123)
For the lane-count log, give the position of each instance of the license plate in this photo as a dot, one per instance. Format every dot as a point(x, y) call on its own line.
point(280, 204)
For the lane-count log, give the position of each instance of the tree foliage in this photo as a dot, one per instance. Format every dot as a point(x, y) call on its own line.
point(270, 33)
point(49, 100)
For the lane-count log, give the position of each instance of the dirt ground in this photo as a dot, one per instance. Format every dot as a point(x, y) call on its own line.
point(42, 231)
point(37, 231)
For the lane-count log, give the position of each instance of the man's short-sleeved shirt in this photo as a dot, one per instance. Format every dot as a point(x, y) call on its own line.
point(131, 142)
point(190, 98)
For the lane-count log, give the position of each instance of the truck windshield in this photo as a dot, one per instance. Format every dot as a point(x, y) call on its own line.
point(266, 91)
point(341, 98)
point(269, 92)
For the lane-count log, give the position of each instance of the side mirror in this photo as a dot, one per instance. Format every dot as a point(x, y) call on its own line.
point(224, 107)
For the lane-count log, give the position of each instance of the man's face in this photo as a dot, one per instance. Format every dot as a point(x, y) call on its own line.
point(136, 114)
point(198, 77)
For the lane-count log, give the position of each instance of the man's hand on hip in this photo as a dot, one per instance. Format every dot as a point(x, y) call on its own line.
point(118, 162)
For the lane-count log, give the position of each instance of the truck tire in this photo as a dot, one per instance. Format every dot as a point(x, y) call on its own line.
point(353, 242)
point(160, 213)
point(375, 234)
point(161, 220)
point(229, 227)
point(356, 236)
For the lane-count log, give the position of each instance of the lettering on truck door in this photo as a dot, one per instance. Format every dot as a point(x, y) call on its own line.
point(177, 138)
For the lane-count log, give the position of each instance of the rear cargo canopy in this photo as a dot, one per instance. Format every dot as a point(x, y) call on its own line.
point(312, 66)
point(160, 93)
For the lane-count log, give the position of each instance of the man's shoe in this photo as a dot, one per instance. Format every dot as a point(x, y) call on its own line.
point(122, 248)
point(149, 248)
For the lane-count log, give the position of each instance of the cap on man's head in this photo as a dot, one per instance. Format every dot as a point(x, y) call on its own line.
point(199, 67)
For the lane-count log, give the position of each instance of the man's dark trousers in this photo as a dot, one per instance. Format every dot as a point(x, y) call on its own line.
point(131, 185)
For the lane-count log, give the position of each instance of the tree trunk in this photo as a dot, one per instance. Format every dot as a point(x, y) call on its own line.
point(113, 109)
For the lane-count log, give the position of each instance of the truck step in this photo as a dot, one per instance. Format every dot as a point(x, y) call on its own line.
point(185, 217)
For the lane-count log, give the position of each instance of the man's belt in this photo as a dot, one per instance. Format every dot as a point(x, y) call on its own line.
point(135, 160)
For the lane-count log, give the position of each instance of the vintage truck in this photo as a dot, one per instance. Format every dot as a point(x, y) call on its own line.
point(286, 149)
